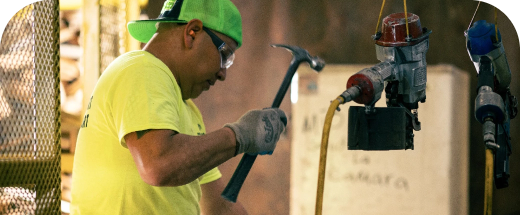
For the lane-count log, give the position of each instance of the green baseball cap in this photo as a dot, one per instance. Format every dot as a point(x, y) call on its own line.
point(219, 15)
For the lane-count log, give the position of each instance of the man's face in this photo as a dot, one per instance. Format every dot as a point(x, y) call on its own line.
point(209, 70)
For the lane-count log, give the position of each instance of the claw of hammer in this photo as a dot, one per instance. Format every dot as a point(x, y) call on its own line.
point(300, 55)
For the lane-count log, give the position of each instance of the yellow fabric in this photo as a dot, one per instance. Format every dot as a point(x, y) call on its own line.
point(136, 92)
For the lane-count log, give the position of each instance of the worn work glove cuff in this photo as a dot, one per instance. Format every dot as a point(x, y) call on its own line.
point(239, 149)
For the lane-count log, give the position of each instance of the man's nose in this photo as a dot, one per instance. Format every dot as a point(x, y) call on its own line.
point(221, 75)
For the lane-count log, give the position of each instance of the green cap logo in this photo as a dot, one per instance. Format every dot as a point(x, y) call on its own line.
point(168, 5)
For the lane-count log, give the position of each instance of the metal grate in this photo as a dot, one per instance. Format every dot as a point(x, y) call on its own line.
point(29, 112)
point(109, 31)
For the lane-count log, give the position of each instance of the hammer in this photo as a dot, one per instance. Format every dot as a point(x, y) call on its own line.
point(300, 55)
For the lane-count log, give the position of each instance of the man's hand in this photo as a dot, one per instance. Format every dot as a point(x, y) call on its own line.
point(257, 131)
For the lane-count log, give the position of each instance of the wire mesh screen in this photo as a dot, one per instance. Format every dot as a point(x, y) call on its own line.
point(111, 18)
point(29, 112)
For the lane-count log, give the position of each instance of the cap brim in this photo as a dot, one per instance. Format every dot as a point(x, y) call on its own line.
point(143, 30)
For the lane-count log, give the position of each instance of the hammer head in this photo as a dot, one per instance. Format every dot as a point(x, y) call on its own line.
point(300, 55)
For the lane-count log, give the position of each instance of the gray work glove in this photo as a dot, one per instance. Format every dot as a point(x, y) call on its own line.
point(257, 131)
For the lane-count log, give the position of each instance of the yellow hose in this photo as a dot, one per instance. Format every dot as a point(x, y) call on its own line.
point(323, 152)
point(379, 19)
point(496, 25)
point(406, 19)
point(488, 188)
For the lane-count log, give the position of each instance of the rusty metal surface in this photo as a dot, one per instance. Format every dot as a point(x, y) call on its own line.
point(394, 30)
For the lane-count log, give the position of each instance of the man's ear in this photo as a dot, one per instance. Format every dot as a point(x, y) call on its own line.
point(192, 31)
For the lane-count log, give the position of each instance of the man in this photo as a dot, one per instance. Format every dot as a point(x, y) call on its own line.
point(142, 148)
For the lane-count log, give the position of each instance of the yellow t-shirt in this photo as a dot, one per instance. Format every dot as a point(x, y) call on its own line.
point(136, 92)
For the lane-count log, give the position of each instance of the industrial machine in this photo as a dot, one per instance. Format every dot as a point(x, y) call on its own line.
point(401, 47)
point(495, 106)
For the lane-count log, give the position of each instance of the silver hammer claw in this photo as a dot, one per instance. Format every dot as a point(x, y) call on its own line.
point(300, 55)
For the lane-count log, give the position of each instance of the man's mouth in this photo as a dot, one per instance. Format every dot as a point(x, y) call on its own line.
point(209, 84)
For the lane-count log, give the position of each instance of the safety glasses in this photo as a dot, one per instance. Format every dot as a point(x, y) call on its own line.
point(226, 53)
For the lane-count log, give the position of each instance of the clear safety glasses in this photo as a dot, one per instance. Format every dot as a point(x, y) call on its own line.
point(226, 53)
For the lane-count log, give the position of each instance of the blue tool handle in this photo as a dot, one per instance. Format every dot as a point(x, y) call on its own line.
point(230, 193)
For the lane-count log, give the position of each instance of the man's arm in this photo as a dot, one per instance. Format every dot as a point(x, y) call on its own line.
point(213, 204)
point(167, 158)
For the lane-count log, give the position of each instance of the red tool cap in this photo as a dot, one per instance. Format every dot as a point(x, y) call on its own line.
point(365, 84)
point(393, 31)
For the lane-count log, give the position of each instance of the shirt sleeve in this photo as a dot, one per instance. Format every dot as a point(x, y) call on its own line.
point(210, 176)
point(144, 97)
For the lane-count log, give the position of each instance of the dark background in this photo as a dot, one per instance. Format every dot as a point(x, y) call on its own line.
point(339, 32)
